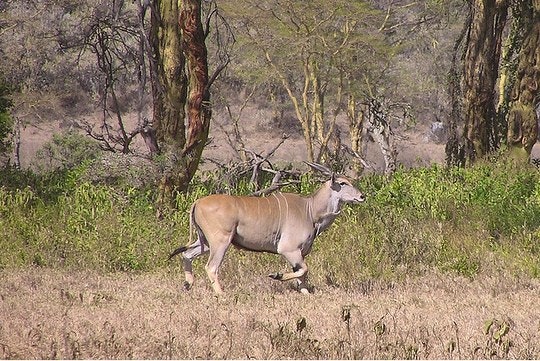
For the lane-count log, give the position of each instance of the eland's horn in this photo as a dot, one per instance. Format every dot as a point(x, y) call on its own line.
point(319, 167)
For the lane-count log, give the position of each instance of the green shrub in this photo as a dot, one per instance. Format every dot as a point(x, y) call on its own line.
point(6, 121)
point(465, 221)
point(66, 151)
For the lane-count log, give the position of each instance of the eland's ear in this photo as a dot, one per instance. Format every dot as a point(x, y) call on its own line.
point(333, 184)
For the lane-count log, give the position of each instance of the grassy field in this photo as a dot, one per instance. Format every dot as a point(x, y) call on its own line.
point(47, 313)
point(437, 263)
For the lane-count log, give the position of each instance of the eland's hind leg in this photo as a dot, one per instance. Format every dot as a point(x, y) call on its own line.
point(302, 283)
point(192, 251)
point(217, 252)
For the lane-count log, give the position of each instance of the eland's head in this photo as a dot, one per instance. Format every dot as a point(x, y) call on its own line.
point(340, 188)
point(343, 190)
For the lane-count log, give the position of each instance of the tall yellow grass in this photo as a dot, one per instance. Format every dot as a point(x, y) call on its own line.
point(47, 314)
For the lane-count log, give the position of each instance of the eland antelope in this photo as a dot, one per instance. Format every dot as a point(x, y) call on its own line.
point(280, 223)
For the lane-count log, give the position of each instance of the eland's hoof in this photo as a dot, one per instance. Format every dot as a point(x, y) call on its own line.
point(276, 276)
point(187, 286)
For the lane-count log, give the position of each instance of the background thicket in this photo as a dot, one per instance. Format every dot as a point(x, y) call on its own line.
point(81, 68)
point(482, 219)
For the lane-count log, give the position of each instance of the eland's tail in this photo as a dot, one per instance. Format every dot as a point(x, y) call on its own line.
point(177, 251)
point(182, 249)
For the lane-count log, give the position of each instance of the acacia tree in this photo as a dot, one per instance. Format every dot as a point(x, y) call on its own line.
point(321, 54)
point(487, 125)
point(473, 129)
point(6, 122)
point(180, 85)
point(480, 72)
point(71, 58)
point(169, 89)
point(112, 37)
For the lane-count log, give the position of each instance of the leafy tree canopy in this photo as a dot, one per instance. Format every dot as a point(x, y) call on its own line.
point(338, 36)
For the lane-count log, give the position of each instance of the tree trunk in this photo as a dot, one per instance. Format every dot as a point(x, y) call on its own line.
point(356, 126)
point(169, 84)
point(169, 89)
point(379, 127)
point(17, 140)
point(522, 117)
point(302, 111)
point(180, 61)
point(317, 111)
point(480, 72)
point(455, 144)
point(198, 105)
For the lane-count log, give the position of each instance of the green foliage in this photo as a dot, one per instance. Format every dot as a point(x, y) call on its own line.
point(67, 150)
point(463, 221)
point(497, 341)
point(342, 38)
point(466, 221)
point(6, 122)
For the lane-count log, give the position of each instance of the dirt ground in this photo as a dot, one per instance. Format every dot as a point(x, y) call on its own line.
point(60, 314)
point(415, 146)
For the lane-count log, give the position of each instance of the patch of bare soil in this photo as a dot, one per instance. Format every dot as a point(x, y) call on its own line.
point(416, 146)
point(60, 314)
point(261, 134)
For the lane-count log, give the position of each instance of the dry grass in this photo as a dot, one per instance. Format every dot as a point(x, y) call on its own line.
point(58, 314)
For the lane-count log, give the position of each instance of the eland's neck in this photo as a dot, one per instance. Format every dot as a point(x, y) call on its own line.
point(323, 205)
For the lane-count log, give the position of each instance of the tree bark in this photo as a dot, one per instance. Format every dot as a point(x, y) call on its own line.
point(317, 110)
point(198, 105)
point(169, 80)
point(379, 128)
point(522, 117)
point(181, 120)
point(356, 126)
point(455, 144)
point(480, 72)
point(301, 110)
point(169, 89)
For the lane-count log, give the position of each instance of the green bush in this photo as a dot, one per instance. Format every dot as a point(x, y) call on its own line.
point(464, 221)
point(66, 151)
point(6, 122)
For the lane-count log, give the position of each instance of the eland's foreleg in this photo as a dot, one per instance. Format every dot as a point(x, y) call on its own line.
point(299, 268)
